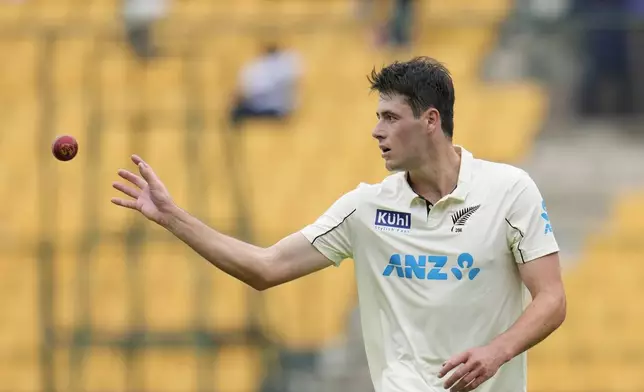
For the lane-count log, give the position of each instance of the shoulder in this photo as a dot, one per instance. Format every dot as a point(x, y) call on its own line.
point(367, 193)
point(502, 176)
point(389, 187)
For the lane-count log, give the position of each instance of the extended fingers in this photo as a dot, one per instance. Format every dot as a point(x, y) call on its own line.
point(133, 178)
point(127, 190)
point(148, 174)
point(124, 203)
point(136, 159)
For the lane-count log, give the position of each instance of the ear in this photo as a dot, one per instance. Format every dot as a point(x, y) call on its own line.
point(432, 119)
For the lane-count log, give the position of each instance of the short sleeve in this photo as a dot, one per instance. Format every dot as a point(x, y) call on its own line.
point(331, 232)
point(529, 230)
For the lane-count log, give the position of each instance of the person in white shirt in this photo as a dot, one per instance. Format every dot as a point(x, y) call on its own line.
point(443, 248)
point(139, 17)
point(267, 86)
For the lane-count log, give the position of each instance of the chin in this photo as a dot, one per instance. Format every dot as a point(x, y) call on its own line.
point(391, 166)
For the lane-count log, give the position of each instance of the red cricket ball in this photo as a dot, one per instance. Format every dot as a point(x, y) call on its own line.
point(64, 148)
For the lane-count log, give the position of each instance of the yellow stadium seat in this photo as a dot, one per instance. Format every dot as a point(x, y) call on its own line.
point(66, 289)
point(238, 369)
point(166, 276)
point(168, 370)
point(20, 144)
point(114, 139)
point(19, 320)
point(215, 178)
point(19, 370)
point(110, 290)
point(119, 80)
point(228, 305)
point(101, 11)
point(49, 13)
point(628, 212)
point(20, 333)
point(61, 370)
point(310, 312)
point(169, 159)
point(488, 10)
point(164, 88)
point(10, 12)
point(102, 368)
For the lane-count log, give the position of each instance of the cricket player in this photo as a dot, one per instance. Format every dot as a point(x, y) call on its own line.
point(444, 247)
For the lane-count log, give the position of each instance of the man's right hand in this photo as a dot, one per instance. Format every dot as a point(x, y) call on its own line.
point(261, 268)
point(149, 195)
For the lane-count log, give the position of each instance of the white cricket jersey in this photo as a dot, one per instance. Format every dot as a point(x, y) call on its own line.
point(434, 281)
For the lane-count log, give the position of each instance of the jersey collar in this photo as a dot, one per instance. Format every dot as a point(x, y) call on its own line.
point(462, 185)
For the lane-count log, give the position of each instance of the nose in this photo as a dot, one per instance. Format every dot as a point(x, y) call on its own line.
point(378, 132)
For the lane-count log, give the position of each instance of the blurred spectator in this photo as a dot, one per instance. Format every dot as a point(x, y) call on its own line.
point(606, 86)
point(400, 26)
point(140, 16)
point(397, 30)
point(267, 86)
point(636, 54)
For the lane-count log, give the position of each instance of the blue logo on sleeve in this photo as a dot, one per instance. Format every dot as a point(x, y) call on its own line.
point(546, 218)
point(430, 267)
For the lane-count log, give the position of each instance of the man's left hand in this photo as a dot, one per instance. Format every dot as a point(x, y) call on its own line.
point(476, 366)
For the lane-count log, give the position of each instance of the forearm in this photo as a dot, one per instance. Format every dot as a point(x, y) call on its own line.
point(241, 260)
point(545, 314)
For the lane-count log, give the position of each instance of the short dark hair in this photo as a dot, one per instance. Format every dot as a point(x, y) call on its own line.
point(424, 82)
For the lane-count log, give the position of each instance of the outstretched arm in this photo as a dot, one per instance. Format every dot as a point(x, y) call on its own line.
point(261, 268)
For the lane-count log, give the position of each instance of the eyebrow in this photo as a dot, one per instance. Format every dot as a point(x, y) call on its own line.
point(384, 112)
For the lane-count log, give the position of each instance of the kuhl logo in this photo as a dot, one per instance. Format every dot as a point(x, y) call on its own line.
point(393, 220)
point(416, 267)
point(545, 217)
point(461, 216)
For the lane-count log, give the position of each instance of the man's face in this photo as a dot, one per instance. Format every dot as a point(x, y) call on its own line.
point(402, 138)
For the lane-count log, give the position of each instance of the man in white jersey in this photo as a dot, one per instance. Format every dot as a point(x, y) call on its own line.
point(442, 248)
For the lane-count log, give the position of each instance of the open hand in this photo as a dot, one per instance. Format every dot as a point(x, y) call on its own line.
point(474, 367)
point(149, 195)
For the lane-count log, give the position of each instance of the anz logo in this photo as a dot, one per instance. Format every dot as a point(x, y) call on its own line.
point(428, 267)
point(546, 218)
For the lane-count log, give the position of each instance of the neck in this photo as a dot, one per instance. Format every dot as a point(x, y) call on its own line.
point(437, 176)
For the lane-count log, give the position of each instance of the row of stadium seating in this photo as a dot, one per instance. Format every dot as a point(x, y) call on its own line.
point(94, 89)
point(109, 11)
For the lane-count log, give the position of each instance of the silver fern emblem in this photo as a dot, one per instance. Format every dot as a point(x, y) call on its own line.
point(461, 216)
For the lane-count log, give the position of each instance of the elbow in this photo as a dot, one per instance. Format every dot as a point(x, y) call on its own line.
point(560, 309)
point(260, 284)
point(265, 276)
point(260, 281)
